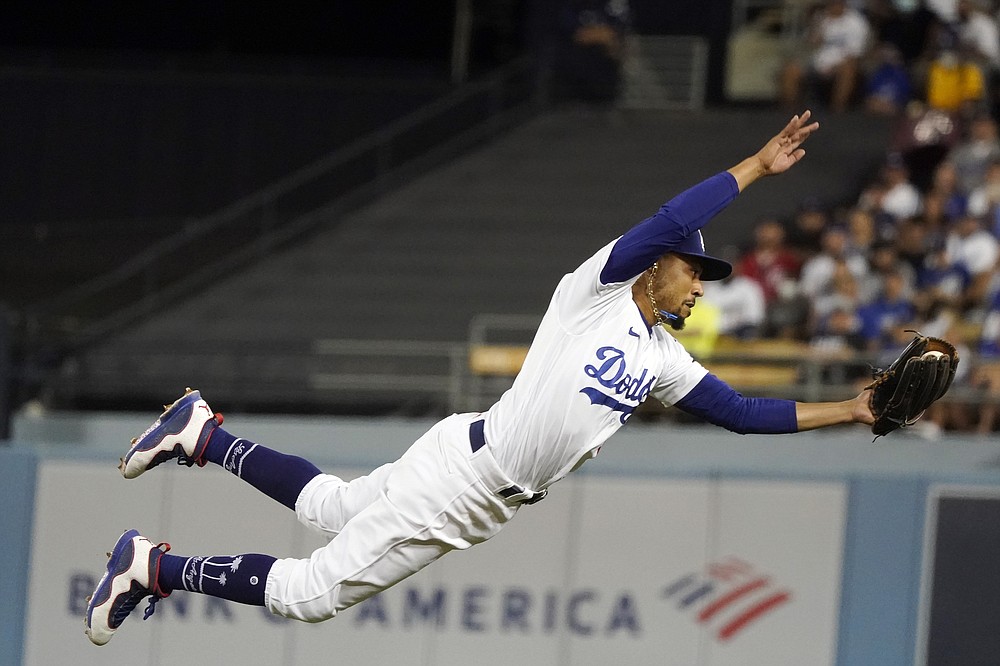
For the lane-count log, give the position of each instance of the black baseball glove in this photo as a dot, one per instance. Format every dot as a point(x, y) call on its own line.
point(903, 391)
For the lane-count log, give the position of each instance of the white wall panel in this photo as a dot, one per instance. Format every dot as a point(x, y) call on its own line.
point(604, 568)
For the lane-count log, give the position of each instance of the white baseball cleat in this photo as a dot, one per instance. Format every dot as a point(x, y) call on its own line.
point(133, 566)
point(181, 432)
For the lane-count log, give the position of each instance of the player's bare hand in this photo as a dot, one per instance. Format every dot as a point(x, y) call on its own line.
point(779, 154)
point(862, 411)
point(785, 148)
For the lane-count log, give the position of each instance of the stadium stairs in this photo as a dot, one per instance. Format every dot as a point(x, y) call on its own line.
point(490, 231)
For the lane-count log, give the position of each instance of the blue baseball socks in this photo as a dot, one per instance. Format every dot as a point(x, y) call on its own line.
point(277, 475)
point(239, 578)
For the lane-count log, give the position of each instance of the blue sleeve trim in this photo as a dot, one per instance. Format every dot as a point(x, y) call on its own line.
point(716, 402)
point(676, 220)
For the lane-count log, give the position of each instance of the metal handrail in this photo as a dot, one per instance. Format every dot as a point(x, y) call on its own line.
point(139, 268)
point(337, 370)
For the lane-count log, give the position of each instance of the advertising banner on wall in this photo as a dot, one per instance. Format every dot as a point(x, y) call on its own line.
point(680, 572)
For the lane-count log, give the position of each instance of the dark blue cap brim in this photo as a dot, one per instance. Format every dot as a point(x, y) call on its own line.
point(712, 268)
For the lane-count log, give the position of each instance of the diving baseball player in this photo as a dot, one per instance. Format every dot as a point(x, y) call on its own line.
point(600, 350)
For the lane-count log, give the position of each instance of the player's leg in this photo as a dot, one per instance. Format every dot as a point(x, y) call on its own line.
point(379, 548)
point(433, 502)
point(327, 502)
point(191, 432)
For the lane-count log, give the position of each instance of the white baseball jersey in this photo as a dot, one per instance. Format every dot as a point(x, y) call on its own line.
point(593, 360)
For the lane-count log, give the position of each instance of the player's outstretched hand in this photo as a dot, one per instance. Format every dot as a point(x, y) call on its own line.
point(779, 154)
point(784, 149)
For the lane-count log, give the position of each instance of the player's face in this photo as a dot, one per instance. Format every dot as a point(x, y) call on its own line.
point(677, 285)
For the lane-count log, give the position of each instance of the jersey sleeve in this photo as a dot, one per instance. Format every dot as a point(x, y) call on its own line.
point(716, 402)
point(583, 299)
point(677, 219)
point(586, 294)
point(679, 374)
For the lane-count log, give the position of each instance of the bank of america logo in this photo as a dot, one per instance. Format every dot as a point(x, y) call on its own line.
point(729, 596)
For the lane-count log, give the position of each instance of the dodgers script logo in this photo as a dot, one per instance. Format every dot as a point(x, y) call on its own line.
point(612, 373)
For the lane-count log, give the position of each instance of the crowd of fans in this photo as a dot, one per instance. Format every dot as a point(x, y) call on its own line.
point(855, 278)
point(918, 249)
point(884, 54)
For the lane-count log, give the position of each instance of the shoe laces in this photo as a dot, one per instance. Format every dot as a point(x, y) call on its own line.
point(133, 600)
point(151, 607)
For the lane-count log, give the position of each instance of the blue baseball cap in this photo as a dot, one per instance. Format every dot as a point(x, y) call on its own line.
point(712, 268)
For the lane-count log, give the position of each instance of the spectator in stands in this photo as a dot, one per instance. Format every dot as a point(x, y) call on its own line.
point(978, 35)
point(787, 317)
point(955, 81)
point(972, 156)
point(944, 201)
point(945, 12)
point(888, 88)
point(837, 337)
point(892, 194)
point(836, 42)
point(842, 294)
point(884, 319)
point(913, 240)
point(839, 330)
point(987, 372)
point(976, 250)
point(817, 276)
point(770, 262)
point(989, 337)
point(902, 24)
point(861, 230)
point(883, 260)
point(740, 301)
point(984, 201)
point(590, 48)
point(939, 281)
point(806, 232)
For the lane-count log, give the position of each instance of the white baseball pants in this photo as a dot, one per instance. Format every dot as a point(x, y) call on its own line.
point(439, 496)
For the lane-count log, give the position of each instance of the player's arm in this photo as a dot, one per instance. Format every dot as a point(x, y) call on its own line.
point(718, 403)
point(691, 210)
point(811, 415)
point(646, 242)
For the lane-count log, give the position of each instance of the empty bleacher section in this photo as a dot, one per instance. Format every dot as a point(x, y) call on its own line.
point(491, 232)
point(124, 153)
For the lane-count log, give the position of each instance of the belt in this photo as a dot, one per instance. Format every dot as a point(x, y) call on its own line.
point(477, 438)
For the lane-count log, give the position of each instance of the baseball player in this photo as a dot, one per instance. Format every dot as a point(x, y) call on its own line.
point(600, 350)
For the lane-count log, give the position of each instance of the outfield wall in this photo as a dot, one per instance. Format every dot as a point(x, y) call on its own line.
point(677, 546)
